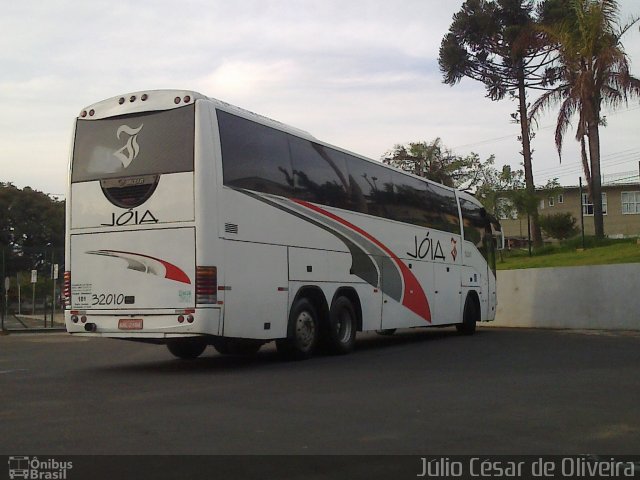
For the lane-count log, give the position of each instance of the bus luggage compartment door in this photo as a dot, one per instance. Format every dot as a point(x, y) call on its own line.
point(255, 290)
point(133, 270)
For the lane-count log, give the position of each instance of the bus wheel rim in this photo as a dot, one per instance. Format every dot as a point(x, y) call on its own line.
point(305, 329)
point(343, 328)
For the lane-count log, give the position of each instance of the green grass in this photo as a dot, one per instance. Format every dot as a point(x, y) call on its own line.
point(567, 254)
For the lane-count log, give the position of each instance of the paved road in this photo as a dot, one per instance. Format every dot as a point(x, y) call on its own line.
point(420, 392)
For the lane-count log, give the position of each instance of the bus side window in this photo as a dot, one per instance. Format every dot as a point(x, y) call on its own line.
point(371, 186)
point(408, 202)
point(476, 226)
point(254, 156)
point(320, 174)
point(443, 208)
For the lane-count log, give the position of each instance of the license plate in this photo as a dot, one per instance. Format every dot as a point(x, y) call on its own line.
point(130, 324)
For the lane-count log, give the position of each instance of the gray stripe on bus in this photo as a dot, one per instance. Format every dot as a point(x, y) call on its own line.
point(361, 248)
point(361, 264)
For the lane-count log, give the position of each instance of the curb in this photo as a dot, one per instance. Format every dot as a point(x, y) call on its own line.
point(33, 330)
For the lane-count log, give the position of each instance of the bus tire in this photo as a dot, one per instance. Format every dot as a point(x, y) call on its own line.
point(469, 317)
point(342, 326)
point(303, 332)
point(221, 345)
point(187, 348)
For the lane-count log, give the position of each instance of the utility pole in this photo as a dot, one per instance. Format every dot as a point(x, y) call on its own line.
point(5, 312)
point(19, 293)
point(54, 276)
point(581, 214)
point(529, 231)
point(34, 280)
point(6, 295)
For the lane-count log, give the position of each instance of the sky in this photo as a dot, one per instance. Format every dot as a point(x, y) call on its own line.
point(359, 74)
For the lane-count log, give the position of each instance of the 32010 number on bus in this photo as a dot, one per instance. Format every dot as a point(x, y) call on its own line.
point(107, 299)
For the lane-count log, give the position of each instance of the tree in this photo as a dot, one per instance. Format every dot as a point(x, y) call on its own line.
point(31, 223)
point(501, 191)
point(436, 162)
point(497, 43)
point(594, 71)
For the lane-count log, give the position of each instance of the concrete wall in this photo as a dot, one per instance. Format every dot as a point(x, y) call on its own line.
point(591, 297)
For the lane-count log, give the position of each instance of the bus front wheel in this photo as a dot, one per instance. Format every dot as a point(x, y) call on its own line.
point(470, 316)
point(186, 348)
point(303, 332)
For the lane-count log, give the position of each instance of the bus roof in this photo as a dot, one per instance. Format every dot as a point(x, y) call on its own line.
point(150, 100)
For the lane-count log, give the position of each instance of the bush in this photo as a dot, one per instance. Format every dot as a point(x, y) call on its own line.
point(560, 225)
point(593, 242)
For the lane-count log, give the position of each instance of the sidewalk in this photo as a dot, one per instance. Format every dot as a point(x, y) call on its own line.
point(21, 323)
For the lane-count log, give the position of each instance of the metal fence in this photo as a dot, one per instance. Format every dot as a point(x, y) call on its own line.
point(32, 289)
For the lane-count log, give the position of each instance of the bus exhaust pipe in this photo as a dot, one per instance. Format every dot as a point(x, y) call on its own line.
point(90, 327)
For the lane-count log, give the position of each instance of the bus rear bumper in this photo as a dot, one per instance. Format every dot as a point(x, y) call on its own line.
point(204, 321)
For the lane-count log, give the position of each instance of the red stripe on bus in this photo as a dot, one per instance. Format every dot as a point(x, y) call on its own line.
point(413, 297)
point(172, 272)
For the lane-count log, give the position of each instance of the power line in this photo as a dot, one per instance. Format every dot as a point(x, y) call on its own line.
point(576, 169)
point(613, 161)
point(546, 127)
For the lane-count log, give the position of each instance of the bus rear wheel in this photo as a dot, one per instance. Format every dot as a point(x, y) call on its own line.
point(186, 348)
point(341, 332)
point(302, 336)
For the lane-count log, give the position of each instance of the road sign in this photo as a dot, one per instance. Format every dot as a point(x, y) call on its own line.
point(7, 284)
point(34, 276)
point(55, 271)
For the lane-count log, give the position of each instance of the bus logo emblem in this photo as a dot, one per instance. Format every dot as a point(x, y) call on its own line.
point(131, 149)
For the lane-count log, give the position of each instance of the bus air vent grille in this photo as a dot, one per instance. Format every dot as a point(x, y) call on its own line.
point(231, 228)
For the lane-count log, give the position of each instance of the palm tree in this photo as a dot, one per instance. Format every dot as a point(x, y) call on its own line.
point(594, 72)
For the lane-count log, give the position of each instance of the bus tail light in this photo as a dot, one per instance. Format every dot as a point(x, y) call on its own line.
point(206, 285)
point(67, 289)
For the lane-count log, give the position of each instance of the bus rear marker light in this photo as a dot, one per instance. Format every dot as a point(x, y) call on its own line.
point(206, 284)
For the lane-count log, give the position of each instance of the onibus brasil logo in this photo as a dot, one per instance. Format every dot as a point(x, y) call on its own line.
point(131, 149)
point(38, 469)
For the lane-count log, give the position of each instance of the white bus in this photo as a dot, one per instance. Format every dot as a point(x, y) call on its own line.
point(191, 222)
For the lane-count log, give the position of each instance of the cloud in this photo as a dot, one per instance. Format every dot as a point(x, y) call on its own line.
point(238, 79)
point(361, 74)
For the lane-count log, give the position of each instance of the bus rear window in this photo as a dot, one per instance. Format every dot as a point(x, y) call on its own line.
point(134, 145)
